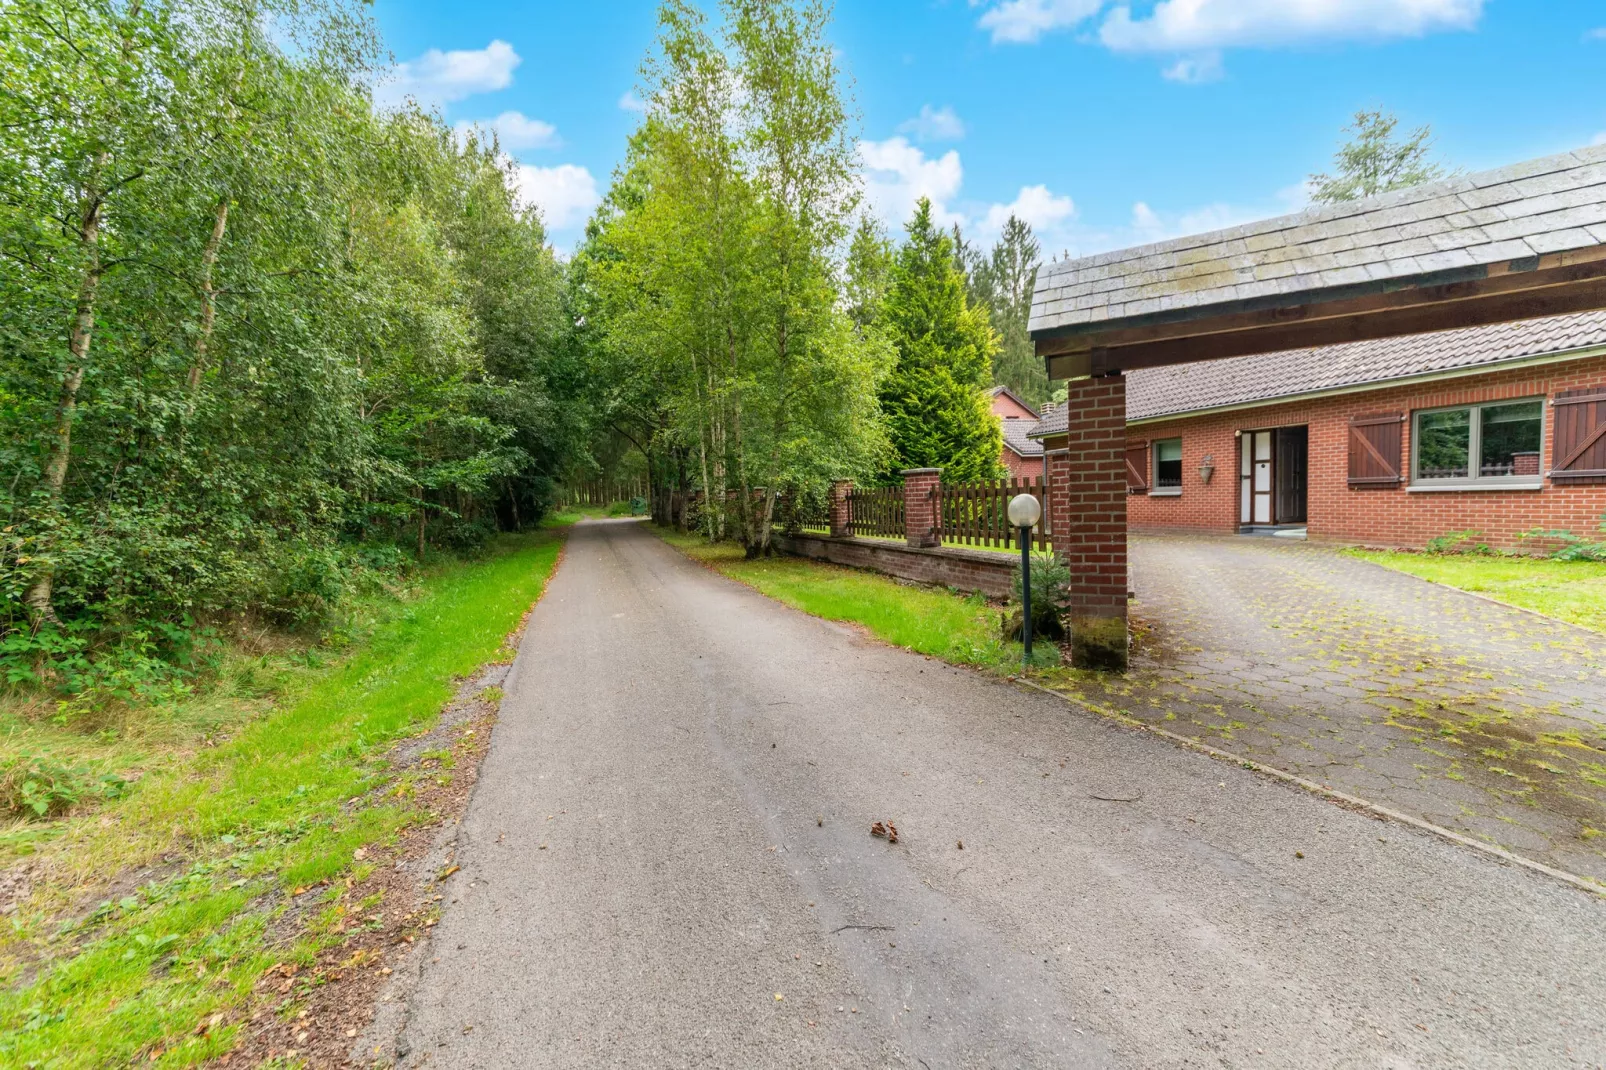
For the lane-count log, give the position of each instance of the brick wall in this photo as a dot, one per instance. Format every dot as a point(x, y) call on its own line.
point(1087, 511)
point(1392, 516)
point(968, 570)
point(920, 506)
point(1005, 407)
point(1021, 467)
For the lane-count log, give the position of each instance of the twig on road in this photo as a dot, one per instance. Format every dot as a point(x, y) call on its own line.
point(868, 928)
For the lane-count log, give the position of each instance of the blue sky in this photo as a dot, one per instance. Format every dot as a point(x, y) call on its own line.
point(1103, 122)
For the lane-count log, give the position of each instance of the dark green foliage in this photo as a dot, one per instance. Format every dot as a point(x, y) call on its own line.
point(1051, 596)
point(937, 414)
point(1003, 280)
point(315, 329)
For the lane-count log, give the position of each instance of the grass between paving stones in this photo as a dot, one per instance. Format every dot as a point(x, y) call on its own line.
point(1573, 591)
point(945, 624)
point(207, 851)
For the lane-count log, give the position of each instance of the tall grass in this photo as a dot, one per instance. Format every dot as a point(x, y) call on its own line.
point(282, 805)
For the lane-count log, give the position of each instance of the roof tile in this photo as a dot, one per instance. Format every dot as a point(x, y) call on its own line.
point(1265, 377)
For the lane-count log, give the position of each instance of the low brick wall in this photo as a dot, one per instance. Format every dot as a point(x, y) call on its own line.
point(968, 570)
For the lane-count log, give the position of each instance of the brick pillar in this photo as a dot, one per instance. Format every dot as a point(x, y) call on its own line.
point(840, 526)
point(1087, 503)
point(920, 506)
point(1525, 464)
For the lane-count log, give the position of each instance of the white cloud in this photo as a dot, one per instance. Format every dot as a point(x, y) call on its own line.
point(1195, 25)
point(897, 174)
point(934, 124)
point(515, 131)
point(630, 102)
point(565, 194)
point(1597, 34)
point(1024, 21)
point(1600, 138)
point(1195, 31)
point(1194, 70)
point(1150, 226)
point(1034, 205)
point(439, 77)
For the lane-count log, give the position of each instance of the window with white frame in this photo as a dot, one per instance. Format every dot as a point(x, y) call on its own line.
point(1496, 442)
point(1168, 465)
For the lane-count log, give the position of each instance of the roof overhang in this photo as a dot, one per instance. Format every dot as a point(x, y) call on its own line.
point(1526, 288)
point(1520, 242)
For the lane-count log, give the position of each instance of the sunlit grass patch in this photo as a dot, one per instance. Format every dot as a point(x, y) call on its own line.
point(228, 837)
point(964, 629)
point(1573, 591)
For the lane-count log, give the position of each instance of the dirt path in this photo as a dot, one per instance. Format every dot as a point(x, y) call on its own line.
point(667, 862)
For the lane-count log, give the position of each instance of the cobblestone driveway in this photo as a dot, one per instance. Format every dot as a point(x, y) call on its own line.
point(1476, 716)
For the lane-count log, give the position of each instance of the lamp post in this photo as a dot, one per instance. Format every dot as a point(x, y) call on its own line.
point(1024, 513)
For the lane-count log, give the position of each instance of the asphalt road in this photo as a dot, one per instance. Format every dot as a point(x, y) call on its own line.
point(667, 863)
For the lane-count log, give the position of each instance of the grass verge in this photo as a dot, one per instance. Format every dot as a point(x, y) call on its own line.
point(963, 629)
point(1573, 591)
point(147, 925)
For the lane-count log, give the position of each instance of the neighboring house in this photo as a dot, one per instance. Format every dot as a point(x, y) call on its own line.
point(1497, 430)
point(1021, 455)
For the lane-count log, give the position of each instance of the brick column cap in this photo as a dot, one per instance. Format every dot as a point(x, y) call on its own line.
point(920, 471)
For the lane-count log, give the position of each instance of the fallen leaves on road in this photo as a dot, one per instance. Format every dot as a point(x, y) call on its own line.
point(887, 830)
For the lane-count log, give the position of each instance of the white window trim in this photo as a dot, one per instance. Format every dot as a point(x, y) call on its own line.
point(1474, 444)
point(1155, 490)
point(1463, 486)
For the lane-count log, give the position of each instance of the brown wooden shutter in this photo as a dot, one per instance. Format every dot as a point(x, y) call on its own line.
point(1374, 449)
point(1578, 446)
point(1137, 467)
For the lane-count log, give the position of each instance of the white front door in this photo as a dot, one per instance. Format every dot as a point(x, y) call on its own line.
point(1254, 471)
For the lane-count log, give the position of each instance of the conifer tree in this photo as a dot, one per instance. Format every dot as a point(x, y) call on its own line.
point(936, 411)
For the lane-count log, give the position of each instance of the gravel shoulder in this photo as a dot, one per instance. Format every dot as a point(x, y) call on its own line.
point(667, 862)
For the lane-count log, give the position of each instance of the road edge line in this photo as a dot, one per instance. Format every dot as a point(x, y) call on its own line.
point(1583, 884)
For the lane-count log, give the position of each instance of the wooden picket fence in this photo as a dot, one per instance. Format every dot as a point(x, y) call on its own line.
point(977, 514)
point(876, 511)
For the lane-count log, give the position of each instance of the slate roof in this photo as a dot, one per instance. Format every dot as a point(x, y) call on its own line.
point(1463, 224)
point(1015, 437)
point(1212, 384)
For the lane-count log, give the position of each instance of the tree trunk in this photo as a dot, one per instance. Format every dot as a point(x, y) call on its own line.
point(39, 596)
point(421, 515)
point(203, 340)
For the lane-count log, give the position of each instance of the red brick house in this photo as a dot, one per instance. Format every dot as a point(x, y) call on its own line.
point(1022, 455)
point(1498, 429)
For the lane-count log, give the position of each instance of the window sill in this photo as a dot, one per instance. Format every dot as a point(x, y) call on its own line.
point(1440, 488)
point(1166, 492)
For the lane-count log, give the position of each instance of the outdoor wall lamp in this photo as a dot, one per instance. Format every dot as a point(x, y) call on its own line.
point(1024, 513)
point(1207, 467)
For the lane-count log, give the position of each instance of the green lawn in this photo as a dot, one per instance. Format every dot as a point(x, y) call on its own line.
point(231, 827)
point(1573, 591)
point(959, 628)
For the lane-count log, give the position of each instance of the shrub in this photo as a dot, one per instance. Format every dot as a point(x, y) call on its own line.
point(1573, 547)
point(1051, 595)
point(36, 786)
point(1455, 542)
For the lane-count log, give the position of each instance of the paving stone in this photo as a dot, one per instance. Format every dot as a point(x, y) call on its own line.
point(1355, 684)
